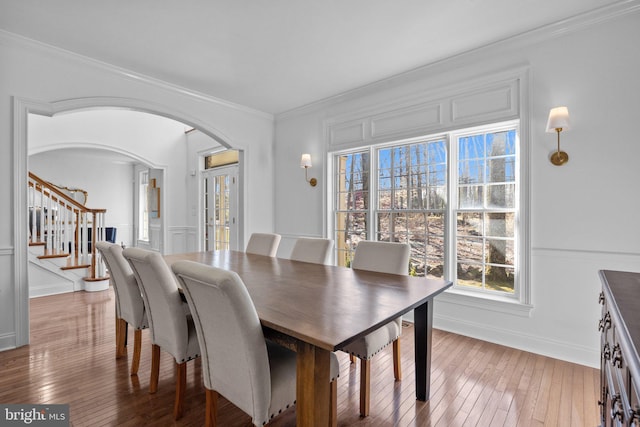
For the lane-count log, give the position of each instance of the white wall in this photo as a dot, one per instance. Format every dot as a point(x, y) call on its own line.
point(35, 74)
point(582, 214)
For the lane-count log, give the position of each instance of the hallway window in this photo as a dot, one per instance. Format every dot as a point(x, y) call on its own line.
point(143, 206)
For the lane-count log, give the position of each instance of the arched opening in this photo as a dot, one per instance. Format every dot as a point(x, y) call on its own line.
point(24, 146)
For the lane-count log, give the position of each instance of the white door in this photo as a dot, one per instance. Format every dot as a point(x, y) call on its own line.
point(220, 208)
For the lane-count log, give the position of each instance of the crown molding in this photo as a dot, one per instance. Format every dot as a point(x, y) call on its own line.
point(28, 43)
point(518, 41)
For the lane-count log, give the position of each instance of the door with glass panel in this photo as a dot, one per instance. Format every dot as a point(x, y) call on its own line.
point(220, 208)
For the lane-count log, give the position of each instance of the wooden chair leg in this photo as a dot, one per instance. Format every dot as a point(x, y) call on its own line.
point(365, 379)
point(352, 358)
point(181, 385)
point(117, 337)
point(397, 372)
point(333, 404)
point(155, 368)
point(211, 411)
point(137, 348)
point(121, 336)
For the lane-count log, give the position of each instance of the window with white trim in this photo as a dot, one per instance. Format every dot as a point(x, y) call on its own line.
point(143, 205)
point(452, 196)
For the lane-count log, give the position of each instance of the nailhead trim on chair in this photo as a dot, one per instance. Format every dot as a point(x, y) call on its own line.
point(376, 352)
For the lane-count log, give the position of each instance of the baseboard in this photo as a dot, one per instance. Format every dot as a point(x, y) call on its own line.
point(7, 341)
point(53, 289)
point(535, 344)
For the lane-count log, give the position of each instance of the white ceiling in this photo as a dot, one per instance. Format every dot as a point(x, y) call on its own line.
point(275, 55)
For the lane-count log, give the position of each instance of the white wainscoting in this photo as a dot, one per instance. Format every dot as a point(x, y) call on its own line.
point(183, 239)
point(7, 336)
point(563, 323)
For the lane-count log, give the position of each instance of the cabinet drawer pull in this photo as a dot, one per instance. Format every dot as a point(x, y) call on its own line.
point(606, 352)
point(616, 357)
point(605, 322)
point(617, 412)
point(634, 416)
point(601, 298)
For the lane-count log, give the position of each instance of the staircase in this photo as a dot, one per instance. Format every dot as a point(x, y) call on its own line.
point(61, 229)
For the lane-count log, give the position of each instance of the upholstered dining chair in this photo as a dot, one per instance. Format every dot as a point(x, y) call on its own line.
point(172, 330)
point(129, 303)
point(263, 244)
point(313, 250)
point(256, 375)
point(383, 257)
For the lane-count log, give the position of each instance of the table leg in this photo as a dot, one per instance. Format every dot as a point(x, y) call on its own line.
point(312, 385)
point(423, 325)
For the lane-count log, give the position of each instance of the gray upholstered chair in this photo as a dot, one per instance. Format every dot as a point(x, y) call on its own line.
point(311, 250)
point(129, 303)
point(383, 257)
point(263, 244)
point(256, 375)
point(172, 330)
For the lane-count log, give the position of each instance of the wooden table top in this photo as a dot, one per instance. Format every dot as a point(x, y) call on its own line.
point(326, 306)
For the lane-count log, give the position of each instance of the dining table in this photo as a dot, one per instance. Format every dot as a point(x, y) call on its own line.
point(317, 309)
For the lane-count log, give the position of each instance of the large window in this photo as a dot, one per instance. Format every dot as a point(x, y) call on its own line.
point(485, 208)
point(351, 203)
point(453, 197)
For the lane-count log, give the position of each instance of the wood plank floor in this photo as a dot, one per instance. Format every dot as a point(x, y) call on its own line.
point(71, 359)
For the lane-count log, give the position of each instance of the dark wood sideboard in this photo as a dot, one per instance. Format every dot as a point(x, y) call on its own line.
point(620, 336)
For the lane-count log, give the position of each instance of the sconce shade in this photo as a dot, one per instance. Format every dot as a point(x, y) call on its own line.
point(305, 161)
point(558, 119)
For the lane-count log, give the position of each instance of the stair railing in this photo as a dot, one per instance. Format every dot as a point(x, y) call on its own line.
point(61, 224)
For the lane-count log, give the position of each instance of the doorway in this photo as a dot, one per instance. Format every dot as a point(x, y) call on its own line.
point(220, 192)
point(23, 110)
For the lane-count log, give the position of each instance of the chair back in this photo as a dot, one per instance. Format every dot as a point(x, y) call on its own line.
point(128, 295)
point(167, 319)
point(383, 257)
point(263, 244)
point(311, 250)
point(235, 362)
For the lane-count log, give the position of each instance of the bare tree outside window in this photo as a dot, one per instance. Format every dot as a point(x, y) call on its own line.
point(410, 204)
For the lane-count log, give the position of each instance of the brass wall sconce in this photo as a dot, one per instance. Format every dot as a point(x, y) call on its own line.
point(558, 121)
point(305, 162)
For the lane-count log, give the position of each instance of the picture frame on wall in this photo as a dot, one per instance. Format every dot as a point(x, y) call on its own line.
point(153, 199)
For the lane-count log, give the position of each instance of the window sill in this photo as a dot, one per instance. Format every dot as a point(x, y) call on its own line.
point(495, 303)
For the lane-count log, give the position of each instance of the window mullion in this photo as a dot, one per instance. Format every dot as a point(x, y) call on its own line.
point(373, 193)
point(451, 214)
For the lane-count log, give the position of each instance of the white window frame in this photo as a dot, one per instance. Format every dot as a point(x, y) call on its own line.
point(519, 302)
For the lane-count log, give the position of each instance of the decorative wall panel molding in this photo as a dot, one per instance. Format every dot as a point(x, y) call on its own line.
point(500, 102)
point(346, 133)
point(183, 239)
point(497, 97)
point(416, 118)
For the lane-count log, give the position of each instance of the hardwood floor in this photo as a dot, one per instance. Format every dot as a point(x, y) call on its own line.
point(71, 359)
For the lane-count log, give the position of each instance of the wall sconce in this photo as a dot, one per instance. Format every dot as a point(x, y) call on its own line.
point(305, 162)
point(558, 121)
